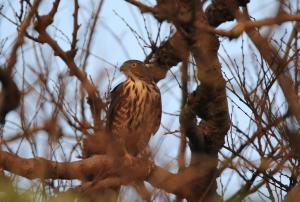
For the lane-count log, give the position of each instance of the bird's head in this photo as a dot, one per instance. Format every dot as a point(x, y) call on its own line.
point(136, 69)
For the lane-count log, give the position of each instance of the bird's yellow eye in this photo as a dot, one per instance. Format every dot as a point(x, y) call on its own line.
point(133, 64)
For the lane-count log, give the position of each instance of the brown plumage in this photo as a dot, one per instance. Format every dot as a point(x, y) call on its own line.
point(135, 110)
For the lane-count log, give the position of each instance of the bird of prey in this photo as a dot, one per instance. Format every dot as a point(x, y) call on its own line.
point(134, 113)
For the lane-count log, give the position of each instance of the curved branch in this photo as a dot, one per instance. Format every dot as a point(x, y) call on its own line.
point(104, 167)
point(248, 25)
point(42, 168)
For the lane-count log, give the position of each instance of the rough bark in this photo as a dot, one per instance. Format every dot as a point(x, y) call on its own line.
point(97, 168)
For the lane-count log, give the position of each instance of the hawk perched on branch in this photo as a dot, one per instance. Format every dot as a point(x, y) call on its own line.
point(135, 110)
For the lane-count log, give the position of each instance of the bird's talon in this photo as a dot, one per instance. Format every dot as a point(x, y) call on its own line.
point(129, 158)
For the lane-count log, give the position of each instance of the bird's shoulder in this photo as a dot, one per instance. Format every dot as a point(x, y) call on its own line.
point(116, 101)
point(117, 90)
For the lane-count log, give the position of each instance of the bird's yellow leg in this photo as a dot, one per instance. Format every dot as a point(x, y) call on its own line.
point(128, 157)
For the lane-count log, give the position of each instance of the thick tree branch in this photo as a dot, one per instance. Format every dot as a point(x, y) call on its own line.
point(209, 100)
point(243, 26)
point(175, 12)
point(143, 8)
point(42, 168)
point(100, 167)
point(167, 55)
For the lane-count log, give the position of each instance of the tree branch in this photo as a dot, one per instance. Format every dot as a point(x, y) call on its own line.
point(42, 168)
point(99, 167)
point(276, 64)
point(243, 26)
point(20, 38)
point(68, 56)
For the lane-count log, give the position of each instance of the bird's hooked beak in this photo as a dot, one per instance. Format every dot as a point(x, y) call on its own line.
point(123, 68)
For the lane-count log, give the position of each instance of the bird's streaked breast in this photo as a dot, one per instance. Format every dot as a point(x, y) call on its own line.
point(140, 95)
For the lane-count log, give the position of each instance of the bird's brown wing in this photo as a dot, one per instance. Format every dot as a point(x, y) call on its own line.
point(117, 119)
point(156, 113)
point(118, 100)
